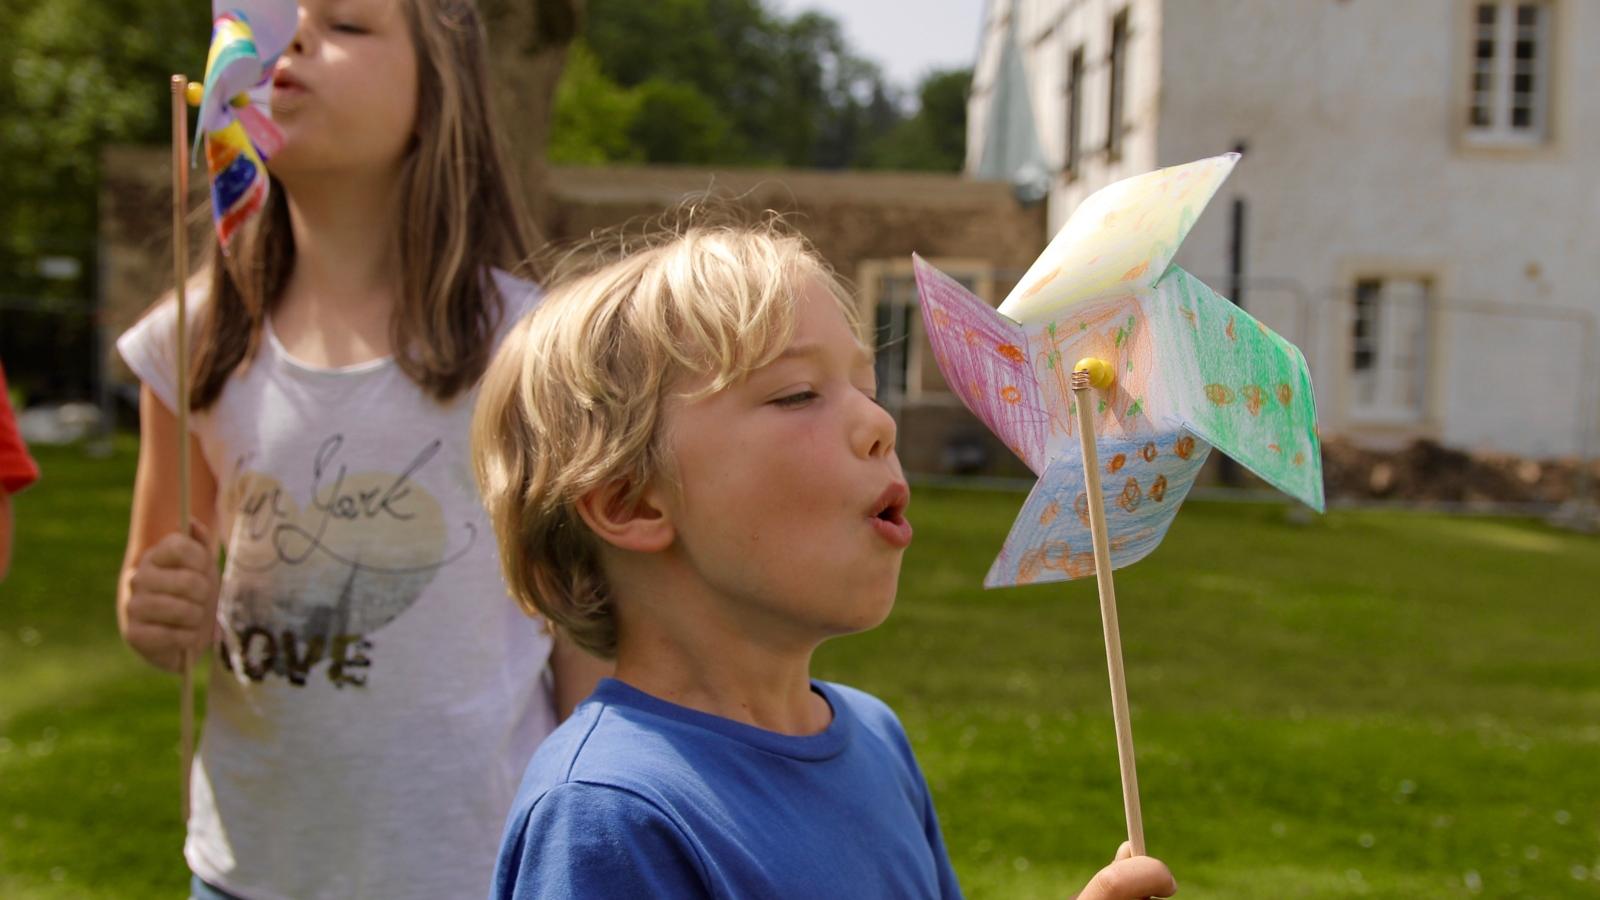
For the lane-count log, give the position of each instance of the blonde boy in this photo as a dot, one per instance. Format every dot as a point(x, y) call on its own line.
point(687, 472)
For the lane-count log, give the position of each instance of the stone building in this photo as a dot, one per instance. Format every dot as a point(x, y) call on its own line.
point(1415, 207)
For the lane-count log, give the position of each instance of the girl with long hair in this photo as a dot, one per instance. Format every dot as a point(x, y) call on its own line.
point(374, 694)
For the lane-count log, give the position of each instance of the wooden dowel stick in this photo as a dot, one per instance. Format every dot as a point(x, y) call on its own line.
point(1083, 396)
point(180, 271)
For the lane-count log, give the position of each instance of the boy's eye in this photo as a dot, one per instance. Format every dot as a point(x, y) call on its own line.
point(348, 28)
point(796, 399)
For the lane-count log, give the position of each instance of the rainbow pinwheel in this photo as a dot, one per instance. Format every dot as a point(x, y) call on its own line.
point(1192, 371)
point(238, 134)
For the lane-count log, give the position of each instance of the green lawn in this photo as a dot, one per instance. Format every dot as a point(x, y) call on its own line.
point(1373, 704)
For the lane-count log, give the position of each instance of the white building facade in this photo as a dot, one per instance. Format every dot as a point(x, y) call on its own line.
point(1418, 206)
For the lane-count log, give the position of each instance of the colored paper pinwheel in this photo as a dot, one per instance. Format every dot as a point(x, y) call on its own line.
point(1189, 371)
point(234, 124)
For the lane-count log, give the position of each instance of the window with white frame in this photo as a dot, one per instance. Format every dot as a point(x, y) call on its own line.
point(1074, 136)
point(1509, 93)
point(1117, 67)
point(1389, 339)
point(903, 360)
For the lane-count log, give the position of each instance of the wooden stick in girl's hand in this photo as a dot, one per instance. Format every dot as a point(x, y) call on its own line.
point(180, 275)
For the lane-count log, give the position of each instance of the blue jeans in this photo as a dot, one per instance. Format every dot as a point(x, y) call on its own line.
point(199, 890)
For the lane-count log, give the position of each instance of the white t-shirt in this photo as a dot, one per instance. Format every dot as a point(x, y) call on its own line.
point(377, 693)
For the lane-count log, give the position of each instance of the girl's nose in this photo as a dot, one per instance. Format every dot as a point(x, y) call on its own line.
point(297, 46)
point(875, 430)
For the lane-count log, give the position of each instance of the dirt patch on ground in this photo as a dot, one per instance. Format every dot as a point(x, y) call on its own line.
point(1427, 472)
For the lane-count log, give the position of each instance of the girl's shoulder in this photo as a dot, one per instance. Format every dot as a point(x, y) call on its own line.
point(150, 345)
point(518, 297)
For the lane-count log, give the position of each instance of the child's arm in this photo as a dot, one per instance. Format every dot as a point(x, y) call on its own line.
point(575, 673)
point(167, 595)
point(17, 471)
point(1130, 877)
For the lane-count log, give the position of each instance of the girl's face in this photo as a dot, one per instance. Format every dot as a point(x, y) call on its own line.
point(345, 92)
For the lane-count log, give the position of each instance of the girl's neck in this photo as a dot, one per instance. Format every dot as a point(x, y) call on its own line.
point(341, 296)
point(343, 228)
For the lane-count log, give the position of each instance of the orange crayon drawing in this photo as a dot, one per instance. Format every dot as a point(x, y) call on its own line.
point(1254, 398)
point(1039, 285)
point(1056, 555)
point(1136, 271)
point(1158, 490)
point(1184, 447)
point(1299, 459)
point(1285, 394)
point(1011, 395)
point(1050, 513)
point(1081, 507)
point(1219, 394)
point(1232, 336)
point(1116, 463)
point(1028, 567)
point(1010, 351)
point(941, 319)
point(1149, 452)
point(1131, 498)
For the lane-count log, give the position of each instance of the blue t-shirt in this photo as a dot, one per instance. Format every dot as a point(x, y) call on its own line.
point(635, 797)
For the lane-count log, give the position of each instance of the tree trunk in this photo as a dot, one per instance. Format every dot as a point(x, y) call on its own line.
point(528, 42)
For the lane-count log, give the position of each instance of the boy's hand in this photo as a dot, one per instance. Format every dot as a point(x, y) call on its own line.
point(172, 600)
point(1130, 877)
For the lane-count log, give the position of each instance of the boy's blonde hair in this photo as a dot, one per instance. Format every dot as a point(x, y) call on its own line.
point(573, 400)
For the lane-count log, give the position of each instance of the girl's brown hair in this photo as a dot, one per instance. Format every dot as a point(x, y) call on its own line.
point(460, 213)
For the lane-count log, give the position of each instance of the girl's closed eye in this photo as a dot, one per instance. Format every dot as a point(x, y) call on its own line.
point(349, 28)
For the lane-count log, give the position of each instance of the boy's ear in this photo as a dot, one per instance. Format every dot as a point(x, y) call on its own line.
point(639, 523)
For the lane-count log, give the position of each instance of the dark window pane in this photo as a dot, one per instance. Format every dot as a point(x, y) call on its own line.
point(1524, 49)
point(1521, 117)
point(1118, 63)
point(1480, 117)
point(1528, 14)
point(1523, 84)
point(1486, 13)
point(1485, 49)
point(1364, 325)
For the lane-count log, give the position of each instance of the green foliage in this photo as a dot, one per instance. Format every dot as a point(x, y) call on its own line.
point(592, 115)
point(1369, 704)
point(727, 81)
point(80, 74)
point(676, 123)
point(936, 137)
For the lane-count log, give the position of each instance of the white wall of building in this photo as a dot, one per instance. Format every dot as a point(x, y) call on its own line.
point(1356, 167)
point(1048, 32)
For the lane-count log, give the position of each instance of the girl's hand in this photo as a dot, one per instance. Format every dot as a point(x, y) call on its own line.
point(172, 599)
point(1130, 877)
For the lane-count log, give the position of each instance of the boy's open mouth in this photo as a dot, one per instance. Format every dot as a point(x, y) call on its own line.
point(889, 515)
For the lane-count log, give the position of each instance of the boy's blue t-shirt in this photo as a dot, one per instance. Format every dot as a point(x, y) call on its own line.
point(634, 796)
